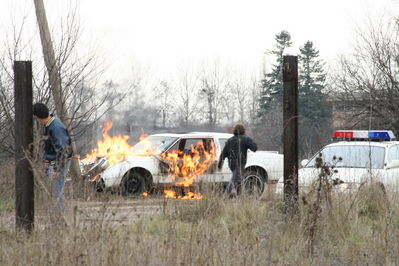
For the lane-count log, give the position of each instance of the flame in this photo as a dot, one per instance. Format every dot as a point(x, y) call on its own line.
point(183, 168)
point(94, 178)
point(116, 149)
point(170, 194)
point(189, 166)
point(192, 195)
point(144, 194)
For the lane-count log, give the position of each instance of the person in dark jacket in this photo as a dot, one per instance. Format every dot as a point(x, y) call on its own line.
point(236, 151)
point(57, 150)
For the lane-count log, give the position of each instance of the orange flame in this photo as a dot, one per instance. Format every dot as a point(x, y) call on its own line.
point(116, 149)
point(184, 168)
point(170, 194)
point(192, 195)
point(189, 166)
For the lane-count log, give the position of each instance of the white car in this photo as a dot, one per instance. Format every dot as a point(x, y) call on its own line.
point(358, 156)
point(138, 174)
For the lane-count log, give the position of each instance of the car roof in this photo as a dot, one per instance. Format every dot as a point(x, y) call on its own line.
point(363, 143)
point(196, 135)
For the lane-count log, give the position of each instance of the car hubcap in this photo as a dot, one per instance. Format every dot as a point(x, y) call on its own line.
point(253, 185)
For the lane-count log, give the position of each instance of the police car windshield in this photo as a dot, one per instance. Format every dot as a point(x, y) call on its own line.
point(352, 156)
point(153, 144)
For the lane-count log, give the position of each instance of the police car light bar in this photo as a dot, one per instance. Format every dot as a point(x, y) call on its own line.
point(374, 135)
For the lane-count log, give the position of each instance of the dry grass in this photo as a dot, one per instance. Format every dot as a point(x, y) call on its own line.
point(358, 229)
point(7, 189)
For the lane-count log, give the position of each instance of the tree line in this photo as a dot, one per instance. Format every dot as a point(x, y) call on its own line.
point(363, 86)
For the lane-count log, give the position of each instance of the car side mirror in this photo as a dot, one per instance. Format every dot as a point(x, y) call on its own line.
point(304, 162)
point(393, 164)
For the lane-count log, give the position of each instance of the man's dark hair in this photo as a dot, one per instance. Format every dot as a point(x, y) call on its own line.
point(40, 110)
point(239, 130)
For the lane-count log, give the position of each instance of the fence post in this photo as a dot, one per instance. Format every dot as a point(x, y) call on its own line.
point(24, 185)
point(290, 132)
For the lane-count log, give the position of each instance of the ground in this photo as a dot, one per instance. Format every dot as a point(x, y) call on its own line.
point(107, 229)
point(115, 210)
point(118, 211)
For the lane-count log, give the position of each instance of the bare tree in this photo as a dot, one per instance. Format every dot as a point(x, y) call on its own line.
point(227, 105)
point(55, 78)
point(241, 96)
point(79, 73)
point(367, 84)
point(187, 89)
point(13, 47)
point(254, 95)
point(214, 84)
point(6, 117)
point(163, 101)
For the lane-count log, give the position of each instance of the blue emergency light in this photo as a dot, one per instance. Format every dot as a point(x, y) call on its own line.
point(364, 135)
point(379, 135)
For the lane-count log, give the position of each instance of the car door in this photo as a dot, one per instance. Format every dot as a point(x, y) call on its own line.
point(391, 176)
point(194, 147)
point(224, 175)
point(205, 148)
point(164, 166)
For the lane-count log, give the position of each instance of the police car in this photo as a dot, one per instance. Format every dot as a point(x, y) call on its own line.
point(356, 157)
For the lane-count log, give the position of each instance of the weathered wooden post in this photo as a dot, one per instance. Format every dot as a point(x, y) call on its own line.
point(290, 132)
point(24, 185)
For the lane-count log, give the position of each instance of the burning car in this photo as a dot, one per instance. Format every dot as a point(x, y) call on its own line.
point(185, 160)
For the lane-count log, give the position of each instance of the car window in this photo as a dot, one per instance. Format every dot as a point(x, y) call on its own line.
point(175, 147)
point(191, 143)
point(155, 144)
point(352, 156)
point(185, 145)
point(393, 153)
point(222, 143)
point(198, 144)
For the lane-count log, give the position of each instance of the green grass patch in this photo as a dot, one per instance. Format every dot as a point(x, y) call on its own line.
point(7, 200)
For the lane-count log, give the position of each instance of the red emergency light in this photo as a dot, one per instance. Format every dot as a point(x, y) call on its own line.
point(364, 135)
point(343, 135)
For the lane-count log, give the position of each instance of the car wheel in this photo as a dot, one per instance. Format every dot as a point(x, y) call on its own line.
point(253, 183)
point(133, 184)
point(100, 186)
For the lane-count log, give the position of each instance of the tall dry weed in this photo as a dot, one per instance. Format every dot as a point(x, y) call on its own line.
point(7, 185)
point(111, 230)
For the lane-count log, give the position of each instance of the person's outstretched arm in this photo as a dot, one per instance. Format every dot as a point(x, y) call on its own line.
point(252, 145)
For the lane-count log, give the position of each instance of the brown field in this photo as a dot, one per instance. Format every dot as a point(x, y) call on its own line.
point(107, 229)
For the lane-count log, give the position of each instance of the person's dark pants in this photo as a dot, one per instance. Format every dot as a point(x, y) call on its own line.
point(235, 181)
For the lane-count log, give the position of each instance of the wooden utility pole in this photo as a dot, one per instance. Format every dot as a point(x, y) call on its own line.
point(24, 186)
point(55, 79)
point(290, 132)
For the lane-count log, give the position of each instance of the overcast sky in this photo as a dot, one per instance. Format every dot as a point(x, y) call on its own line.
point(167, 33)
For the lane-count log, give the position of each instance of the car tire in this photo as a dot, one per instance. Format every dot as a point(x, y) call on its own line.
point(99, 185)
point(133, 184)
point(253, 183)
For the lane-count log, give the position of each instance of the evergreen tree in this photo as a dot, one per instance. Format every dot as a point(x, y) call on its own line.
point(313, 106)
point(272, 84)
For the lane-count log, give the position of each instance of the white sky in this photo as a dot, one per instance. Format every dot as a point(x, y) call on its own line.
point(167, 33)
